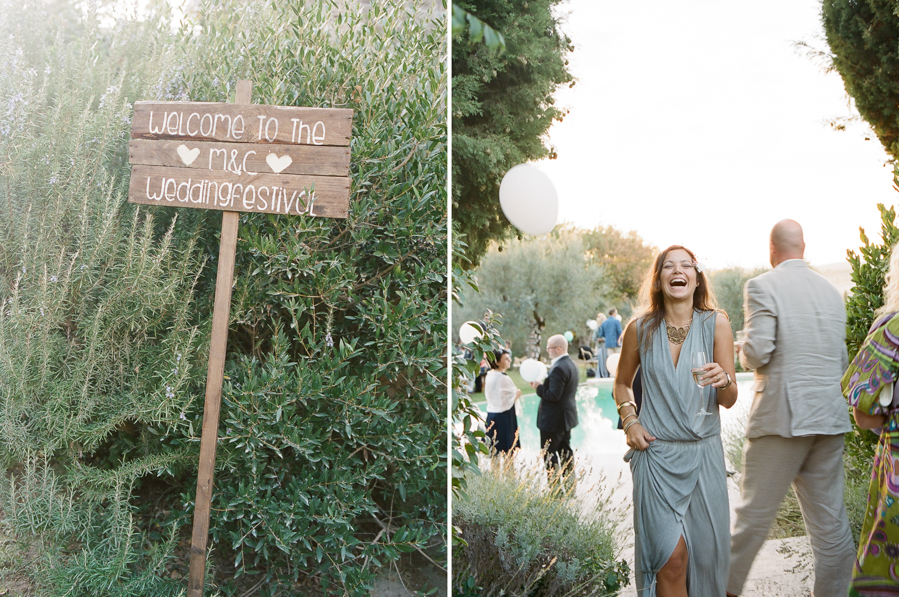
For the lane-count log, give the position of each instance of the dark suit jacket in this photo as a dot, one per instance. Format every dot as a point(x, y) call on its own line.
point(558, 410)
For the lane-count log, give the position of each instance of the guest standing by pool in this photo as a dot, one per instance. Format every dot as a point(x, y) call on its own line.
point(681, 514)
point(869, 386)
point(557, 411)
point(600, 342)
point(611, 331)
point(501, 394)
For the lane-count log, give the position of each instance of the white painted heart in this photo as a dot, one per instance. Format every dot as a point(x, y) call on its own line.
point(278, 164)
point(188, 155)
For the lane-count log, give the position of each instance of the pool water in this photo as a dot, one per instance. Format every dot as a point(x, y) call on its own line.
point(597, 435)
point(599, 446)
point(597, 421)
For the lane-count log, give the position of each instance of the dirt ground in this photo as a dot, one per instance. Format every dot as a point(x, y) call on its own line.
point(417, 576)
point(413, 575)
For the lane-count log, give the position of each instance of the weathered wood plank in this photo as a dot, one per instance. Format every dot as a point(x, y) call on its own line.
point(247, 157)
point(236, 123)
point(286, 194)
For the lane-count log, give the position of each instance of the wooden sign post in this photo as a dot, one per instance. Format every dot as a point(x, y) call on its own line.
point(236, 157)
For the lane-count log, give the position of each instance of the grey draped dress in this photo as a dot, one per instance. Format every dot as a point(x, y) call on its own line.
point(680, 483)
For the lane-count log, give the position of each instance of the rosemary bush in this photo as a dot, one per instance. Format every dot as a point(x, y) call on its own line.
point(96, 324)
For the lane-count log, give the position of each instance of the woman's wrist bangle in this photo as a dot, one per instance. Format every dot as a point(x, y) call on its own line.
point(623, 404)
point(631, 424)
point(729, 381)
point(624, 420)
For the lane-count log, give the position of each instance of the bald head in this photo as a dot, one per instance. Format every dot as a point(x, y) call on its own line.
point(558, 341)
point(786, 242)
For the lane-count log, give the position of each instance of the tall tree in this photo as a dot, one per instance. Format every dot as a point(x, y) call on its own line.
point(478, 30)
point(502, 108)
point(864, 41)
point(546, 282)
point(625, 257)
point(728, 287)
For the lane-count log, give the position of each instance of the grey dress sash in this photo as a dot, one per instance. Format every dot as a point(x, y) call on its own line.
point(680, 483)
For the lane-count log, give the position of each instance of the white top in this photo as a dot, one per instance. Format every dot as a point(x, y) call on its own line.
point(500, 392)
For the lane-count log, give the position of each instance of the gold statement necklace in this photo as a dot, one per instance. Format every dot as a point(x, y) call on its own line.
point(677, 335)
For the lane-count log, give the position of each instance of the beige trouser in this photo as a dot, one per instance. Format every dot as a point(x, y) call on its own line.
point(814, 464)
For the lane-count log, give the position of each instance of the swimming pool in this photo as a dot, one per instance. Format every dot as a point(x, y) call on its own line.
point(599, 446)
point(597, 437)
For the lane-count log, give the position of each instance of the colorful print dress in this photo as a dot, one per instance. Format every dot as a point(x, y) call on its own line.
point(876, 570)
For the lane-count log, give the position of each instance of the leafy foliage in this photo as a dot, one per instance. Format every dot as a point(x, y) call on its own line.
point(558, 281)
point(869, 268)
point(522, 537)
point(477, 29)
point(96, 328)
point(332, 449)
point(468, 438)
point(728, 285)
point(502, 109)
point(864, 42)
point(625, 258)
point(355, 429)
point(546, 281)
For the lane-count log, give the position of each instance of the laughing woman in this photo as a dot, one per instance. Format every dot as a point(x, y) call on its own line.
point(681, 514)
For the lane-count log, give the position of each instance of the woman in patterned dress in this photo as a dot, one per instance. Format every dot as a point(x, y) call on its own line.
point(869, 386)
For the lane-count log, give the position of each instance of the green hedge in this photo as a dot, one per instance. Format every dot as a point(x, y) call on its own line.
point(332, 439)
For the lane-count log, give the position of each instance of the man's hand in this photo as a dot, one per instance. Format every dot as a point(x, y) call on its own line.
point(535, 384)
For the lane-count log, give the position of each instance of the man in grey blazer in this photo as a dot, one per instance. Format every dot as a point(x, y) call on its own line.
point(557, 412)
point(796, 331)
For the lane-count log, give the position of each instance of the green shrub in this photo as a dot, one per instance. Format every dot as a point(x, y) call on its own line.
point(332, 437)
point(518, 536)
point(869, 270)
point(333, 441)
point(96, 326)
point(468, 437)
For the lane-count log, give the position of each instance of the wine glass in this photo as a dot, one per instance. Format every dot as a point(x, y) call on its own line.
point(699, 361)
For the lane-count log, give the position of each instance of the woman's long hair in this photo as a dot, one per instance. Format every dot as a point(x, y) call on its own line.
point(652, 300)
point(891, 285)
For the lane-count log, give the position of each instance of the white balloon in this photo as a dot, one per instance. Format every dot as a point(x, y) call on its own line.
point(532, 370)
point(469, 332)
point(612, 363)
point(529, 200)
point(591, 323)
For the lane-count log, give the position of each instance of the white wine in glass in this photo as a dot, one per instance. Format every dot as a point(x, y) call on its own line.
point(700, 361)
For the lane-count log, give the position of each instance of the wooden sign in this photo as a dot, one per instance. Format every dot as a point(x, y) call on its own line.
point(235, 158)
point(246, 158)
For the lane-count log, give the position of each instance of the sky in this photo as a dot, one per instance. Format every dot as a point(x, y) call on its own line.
point(699, 123)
